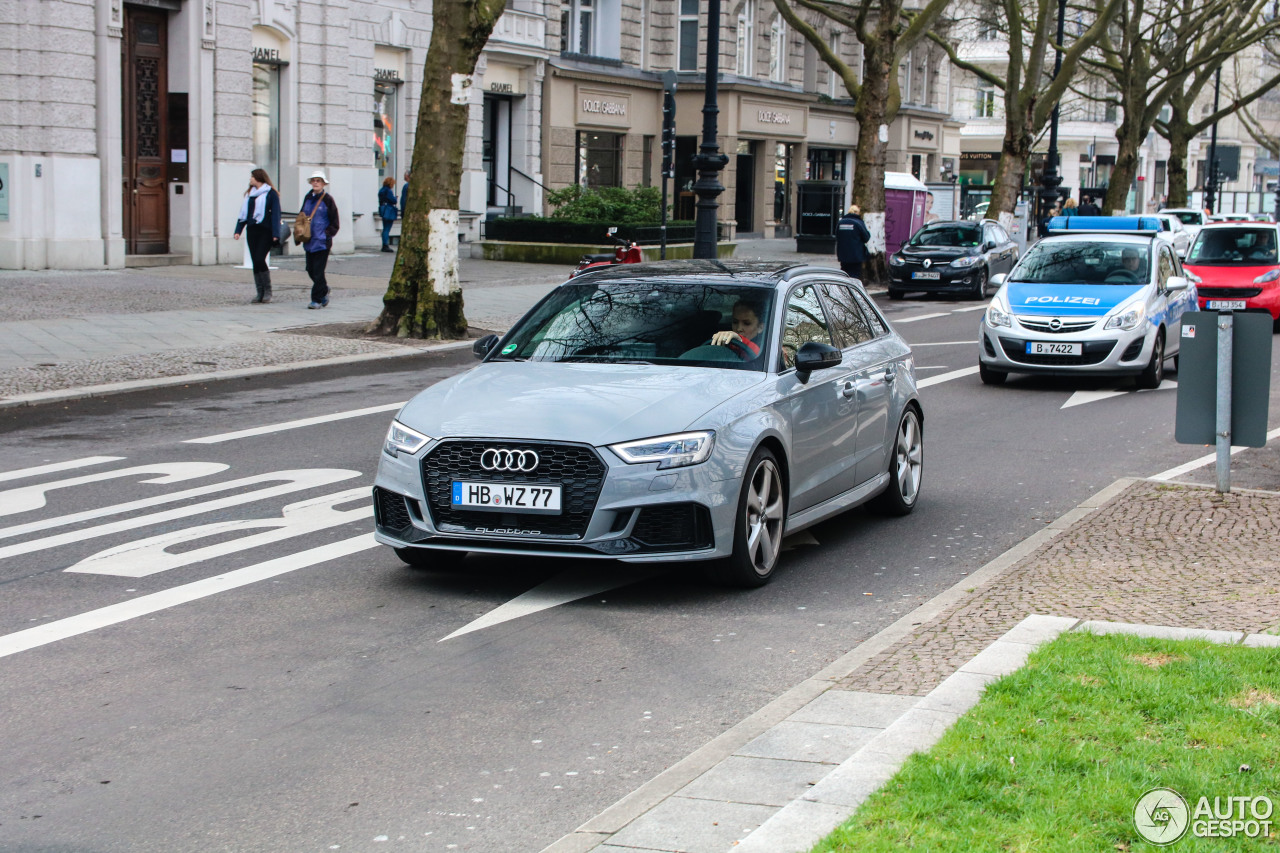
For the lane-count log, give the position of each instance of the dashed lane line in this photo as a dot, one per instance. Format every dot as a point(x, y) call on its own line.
point(946, 377)
point(54, 467)
point(288, 425)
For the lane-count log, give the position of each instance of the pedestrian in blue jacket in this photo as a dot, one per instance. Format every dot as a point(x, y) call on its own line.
point(323, 210)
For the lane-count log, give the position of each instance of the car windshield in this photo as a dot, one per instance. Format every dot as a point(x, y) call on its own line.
point(947, 235)
point(1092, 262)
point(661, 322)
point(1190, 217)
point(1234, 247)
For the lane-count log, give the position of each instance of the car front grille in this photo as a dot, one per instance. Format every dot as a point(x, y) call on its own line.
point(575, 468)
point(1228, 292)
point(1039, 324)
point(1094, 353)
point(674, 527)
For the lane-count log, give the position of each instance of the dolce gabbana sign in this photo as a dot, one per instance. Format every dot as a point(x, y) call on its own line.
point(783, 120)
point(601, 107)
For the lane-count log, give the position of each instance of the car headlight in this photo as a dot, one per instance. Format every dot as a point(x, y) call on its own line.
point(669, 451)
point(967, 261)
point(896, 261)
point(401, 439)
point(997, 316)
point(1128, 320)
point(1267, 277)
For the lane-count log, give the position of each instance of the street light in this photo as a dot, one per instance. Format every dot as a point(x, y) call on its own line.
point(1211, 174)
point(1049, 177)
point(709, 161)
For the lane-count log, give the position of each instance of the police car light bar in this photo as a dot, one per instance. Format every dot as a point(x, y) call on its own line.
point(1078, 224)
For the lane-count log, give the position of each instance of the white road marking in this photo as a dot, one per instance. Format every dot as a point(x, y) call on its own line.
point(287, 425)
point(296, 481)
point(1079, 398)
point(1205, 460)
point(982, 307)
point(62, 629)
point(28, 498)
point(148, 556)
point(946, 377)
point(570, 586)
point(54, 467)
point(898, 322)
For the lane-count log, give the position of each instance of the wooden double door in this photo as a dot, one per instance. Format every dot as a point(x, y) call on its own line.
point(144, 81)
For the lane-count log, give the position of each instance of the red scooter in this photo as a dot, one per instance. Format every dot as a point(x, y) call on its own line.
point(626, 253)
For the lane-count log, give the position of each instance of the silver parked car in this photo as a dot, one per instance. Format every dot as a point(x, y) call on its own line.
point(686, 410)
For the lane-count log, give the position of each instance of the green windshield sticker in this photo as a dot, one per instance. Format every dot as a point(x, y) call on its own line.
point(508, 349)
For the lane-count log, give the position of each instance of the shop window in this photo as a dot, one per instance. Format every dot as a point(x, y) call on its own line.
point(688, 35)
point(385, 96)
point(778, 50)
point(599, 159)
point(266, 118)
point(825, 164)
point(746, 39)
point(782, 183)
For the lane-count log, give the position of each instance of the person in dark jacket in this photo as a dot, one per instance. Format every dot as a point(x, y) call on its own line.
point(404, 194)
point(260, 222)
point(851, 242)
point(323, 210)
point(387, 210)
point(1088, 208)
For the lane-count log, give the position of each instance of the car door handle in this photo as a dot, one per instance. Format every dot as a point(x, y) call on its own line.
point(848, 388)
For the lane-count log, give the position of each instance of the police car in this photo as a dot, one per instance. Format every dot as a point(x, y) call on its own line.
point(1100, 295)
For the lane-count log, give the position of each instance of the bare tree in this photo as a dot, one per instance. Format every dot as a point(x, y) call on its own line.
point(424, 297)
point(1146, 53)
point(887, 33)
point(1030, 89)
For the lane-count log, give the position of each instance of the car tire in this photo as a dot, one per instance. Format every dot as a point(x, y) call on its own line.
point(431, 559)
point(980, 286)
point(1275, 326)
point(757, 531)
point(895, 294)
point(1151, 376)
point(906, 467)
point(991, 377)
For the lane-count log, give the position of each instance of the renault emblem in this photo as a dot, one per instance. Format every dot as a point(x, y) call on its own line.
point(927, 263)
point(514, 461)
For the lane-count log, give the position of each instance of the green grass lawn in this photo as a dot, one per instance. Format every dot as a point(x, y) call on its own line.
point(1056, 755)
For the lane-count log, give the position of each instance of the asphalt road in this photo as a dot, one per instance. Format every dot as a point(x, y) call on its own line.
point(276, 682)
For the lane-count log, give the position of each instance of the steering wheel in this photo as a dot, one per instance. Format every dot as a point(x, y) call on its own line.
point(1121, 277)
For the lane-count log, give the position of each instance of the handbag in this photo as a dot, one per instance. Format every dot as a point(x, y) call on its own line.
point(302, 227)
point(388, 213)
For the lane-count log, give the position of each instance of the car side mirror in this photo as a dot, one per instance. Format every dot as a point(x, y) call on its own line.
point(484, 346)
point(998, 279)
point(815, 356)
point(1176, 283)
point(989, 245)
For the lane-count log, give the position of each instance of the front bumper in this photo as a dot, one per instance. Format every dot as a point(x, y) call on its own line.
point(949, 278)
point(1113, 352)
point(1257, 298)
point(639, 515)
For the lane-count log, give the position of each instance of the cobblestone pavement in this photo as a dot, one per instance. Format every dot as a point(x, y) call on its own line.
point(1159, 553)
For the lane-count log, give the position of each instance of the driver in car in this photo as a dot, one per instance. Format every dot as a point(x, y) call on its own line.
point(746, 327)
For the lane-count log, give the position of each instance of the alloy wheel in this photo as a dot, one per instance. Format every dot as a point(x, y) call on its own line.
point(764, 517)
point(909, 453)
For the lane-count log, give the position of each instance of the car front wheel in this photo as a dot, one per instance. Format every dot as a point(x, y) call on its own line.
point(757, 533)
point(980, 284)
point(906, 467)
point(1153, 375)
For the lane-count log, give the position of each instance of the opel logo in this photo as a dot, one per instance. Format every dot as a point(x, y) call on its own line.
point(498, 459)
point(927, 263)
point(1055, 324)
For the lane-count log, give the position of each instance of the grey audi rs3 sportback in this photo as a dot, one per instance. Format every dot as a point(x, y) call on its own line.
point(675, 411)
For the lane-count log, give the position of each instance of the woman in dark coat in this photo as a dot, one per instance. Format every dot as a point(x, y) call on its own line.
point(260, 222)
point(387, 210)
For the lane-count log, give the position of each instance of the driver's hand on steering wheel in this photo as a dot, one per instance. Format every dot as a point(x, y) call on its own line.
point(721, 339)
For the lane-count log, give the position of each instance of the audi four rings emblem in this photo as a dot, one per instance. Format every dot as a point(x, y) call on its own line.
point(497, 459)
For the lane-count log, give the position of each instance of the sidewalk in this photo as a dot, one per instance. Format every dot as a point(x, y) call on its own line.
point(68, 332)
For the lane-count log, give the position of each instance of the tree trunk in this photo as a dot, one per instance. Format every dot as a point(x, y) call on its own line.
point(1179, 142)
point(871, 112)
point(1012, 168)
point(424, 297)
point(1126, 168)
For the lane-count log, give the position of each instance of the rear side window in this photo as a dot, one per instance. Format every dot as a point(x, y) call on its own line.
point(805, 322)
point(848, 322)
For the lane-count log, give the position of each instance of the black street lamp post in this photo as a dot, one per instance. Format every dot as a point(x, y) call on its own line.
point(1211, 173)
point(1049, 177)
point(709, 161)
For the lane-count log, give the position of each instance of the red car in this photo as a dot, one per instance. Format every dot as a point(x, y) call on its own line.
point(1235, 265)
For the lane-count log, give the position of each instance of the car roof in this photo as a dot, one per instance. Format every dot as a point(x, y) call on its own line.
point(1228, 225)
point(731, 271)
point(1180, 210)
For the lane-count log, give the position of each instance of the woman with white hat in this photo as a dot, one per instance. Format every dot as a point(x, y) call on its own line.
point(323, 211)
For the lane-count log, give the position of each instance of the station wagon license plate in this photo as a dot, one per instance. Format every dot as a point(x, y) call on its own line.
point(506, 497)
point(1054, 348)
point(1226, 304)
point(929, 276)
